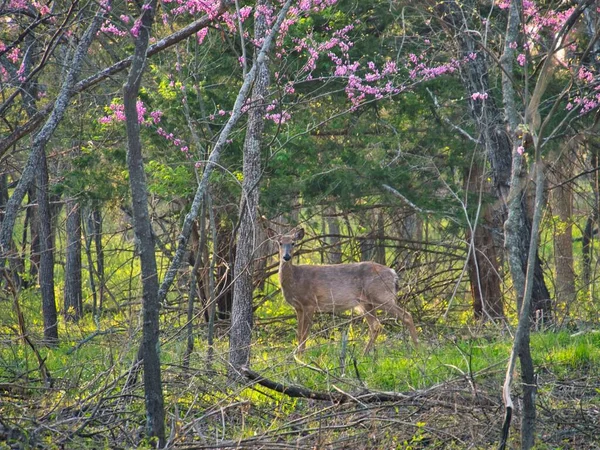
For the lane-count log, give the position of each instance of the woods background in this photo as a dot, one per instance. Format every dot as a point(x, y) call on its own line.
point(145, 147)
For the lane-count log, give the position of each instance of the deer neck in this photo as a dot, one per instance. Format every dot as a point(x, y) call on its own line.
point(286, 273)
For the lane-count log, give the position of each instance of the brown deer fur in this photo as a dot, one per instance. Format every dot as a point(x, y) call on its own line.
point(364, 287)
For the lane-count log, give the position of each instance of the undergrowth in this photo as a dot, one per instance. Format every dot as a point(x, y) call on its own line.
point(451, 385)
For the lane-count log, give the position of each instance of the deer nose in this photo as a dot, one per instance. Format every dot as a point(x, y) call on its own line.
point(287, 257)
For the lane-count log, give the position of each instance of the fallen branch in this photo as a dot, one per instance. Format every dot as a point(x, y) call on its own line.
point(441, 395)
point(334, 397)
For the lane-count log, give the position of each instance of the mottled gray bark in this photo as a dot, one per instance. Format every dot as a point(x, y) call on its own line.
point(41, 139)
point(334, 254)
point(46, 272)
point(215, 155)
point(525, 271)
point(107, 73)
point(155, 413)
point(247, 242)
point(73, 301)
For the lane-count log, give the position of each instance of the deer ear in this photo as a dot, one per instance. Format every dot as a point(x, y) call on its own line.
point(271, 233)
point(299, 234)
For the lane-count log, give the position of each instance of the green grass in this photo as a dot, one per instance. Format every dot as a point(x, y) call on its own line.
point(87, 370)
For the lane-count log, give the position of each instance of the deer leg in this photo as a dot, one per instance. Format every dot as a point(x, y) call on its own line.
point(304, 323)
point(403, 315)
point(374, 329)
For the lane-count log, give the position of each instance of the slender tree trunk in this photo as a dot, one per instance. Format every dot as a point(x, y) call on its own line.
point(72, 293)
point(34, 248)
point(497, 143)
point(562, 203)
point(88, 235)
point(194, 288)
point(588, 232)
point(243, 288)
point(155, 413)
point(41, 139)
point(96, 220)
point(46, 273)
point(484, 274)
point(334, 255)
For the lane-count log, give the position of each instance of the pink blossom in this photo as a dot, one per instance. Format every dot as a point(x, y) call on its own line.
point(110, 28)
point(141, 110)
point(479, 96)
point(13, 55)
point(279, 119)
point(521, 59)
point(156, 116)
point(585, 75)
point(200, 35)
point(135, 30)
point(520, 149)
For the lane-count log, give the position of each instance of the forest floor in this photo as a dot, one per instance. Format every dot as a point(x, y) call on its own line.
point(445, 394)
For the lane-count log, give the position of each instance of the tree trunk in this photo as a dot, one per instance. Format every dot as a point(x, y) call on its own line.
point(34, 248)
point(46, 273)
point(589, 230)
point(72, 294)
point(88, 235)
point(243, 288)
point(498, 146)
point(96, 221)
point(334, 255)
point(484, 271)
point(41, 139)
point(562, 203)
point(155, 414)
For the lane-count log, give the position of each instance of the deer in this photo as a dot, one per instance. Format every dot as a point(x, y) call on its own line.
point(364, 287)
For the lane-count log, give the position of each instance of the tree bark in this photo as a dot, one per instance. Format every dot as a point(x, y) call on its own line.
point(73, 301)
point(96, 220)
point(215, 154)
point(497, 143)
point(243, 288)
point(46, 272)
point(562, 204)
point(42, 138)
point(484, 271)
point(334, 255)
point(155, 413)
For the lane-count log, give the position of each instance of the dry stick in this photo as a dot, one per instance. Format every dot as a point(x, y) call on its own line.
point(335, 397)
point(417, 398)
point(215, 155)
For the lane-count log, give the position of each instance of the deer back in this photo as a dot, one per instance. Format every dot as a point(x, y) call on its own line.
point(338, 287)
